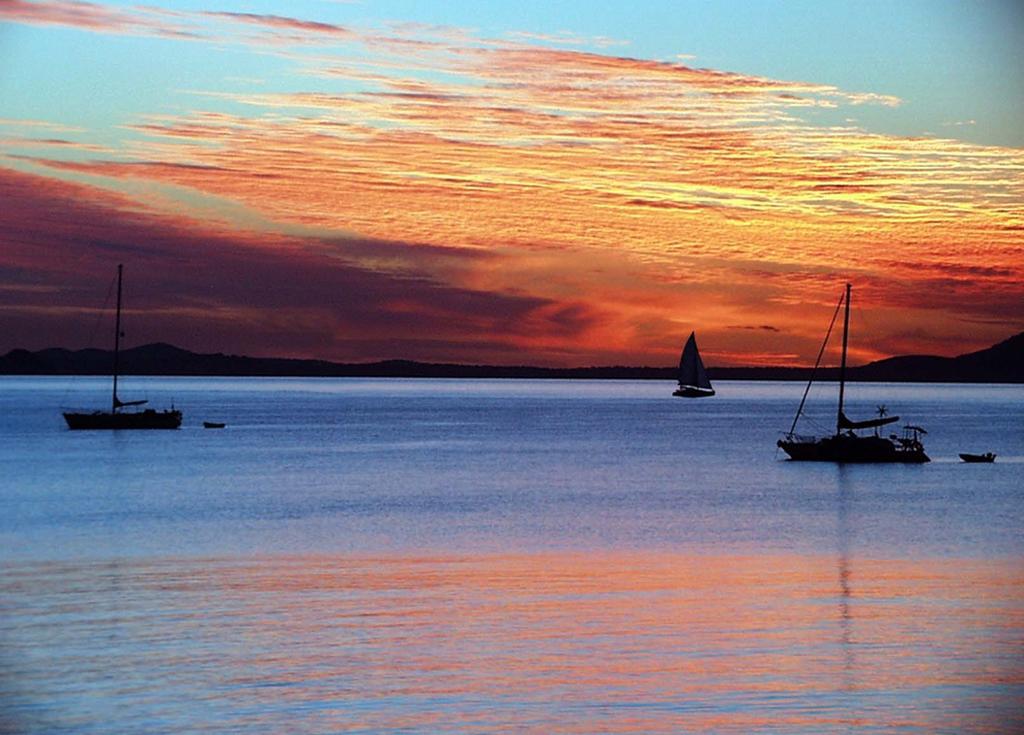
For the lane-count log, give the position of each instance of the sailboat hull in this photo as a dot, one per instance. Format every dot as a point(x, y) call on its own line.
point(689, 391)
point(853, 449)
point(148, 419)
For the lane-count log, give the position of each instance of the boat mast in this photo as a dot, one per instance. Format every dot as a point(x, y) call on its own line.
point(117, 339)
point(842, 364)
point(817, 362)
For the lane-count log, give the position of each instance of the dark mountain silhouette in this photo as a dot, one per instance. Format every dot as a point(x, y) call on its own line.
point(1001, 363)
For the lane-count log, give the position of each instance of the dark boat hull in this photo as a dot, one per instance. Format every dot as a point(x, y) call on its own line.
point(147, 419)
point(853, 449)
point(691, 392)
point(213, 425)
point(978, 458)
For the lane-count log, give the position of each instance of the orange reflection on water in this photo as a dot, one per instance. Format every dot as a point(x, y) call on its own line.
point(533, 643)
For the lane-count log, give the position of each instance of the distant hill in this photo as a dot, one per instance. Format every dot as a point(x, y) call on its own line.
point(1001, 363)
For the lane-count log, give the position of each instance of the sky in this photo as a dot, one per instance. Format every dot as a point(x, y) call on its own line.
point(558, 184)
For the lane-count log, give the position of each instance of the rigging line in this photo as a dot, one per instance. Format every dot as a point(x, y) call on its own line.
point(818, 426)
point(91, 342)
point(817, 362)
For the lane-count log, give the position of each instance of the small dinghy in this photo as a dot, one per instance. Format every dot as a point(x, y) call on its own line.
point(213, 425)
point(986, 457)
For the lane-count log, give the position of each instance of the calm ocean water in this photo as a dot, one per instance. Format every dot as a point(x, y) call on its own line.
point(444, 556)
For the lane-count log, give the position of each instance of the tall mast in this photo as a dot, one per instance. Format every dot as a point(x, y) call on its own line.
point(117, 339)
point(814, 370)
point(842, 365)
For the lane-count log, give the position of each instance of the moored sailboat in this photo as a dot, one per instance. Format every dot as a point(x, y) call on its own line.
point(693, 378)
point(115, 418)
point(846, 445)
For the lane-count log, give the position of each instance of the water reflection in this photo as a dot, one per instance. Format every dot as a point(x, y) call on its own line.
point(843, 541)
point(844, 565)
point(648, 642)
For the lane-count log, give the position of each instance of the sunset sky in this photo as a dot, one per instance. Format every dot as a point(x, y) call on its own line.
point(551, 183)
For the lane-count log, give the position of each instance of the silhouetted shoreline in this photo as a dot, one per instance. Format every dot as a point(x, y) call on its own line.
point(1001, 363)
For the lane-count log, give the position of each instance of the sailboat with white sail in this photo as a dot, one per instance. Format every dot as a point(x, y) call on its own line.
point(693, 377)
point(846, 445)
point(116, 418)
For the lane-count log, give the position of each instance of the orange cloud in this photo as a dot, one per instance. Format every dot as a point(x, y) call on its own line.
point(660, 196)
point(77, 14)
point(285, 29)
point(346, 299)
point(92, 17)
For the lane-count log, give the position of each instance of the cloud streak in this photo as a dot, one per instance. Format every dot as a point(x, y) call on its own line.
point(94, 17)
point(89, 16)
point(609, 203)
point(340, 299)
